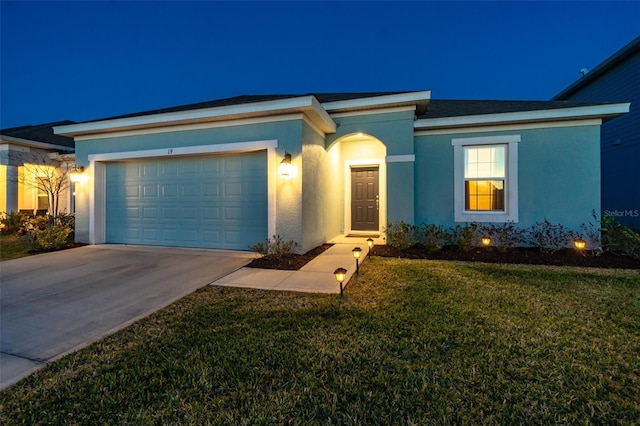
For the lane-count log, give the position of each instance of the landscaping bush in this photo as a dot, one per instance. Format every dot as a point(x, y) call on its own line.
point(619, 239)
point(549, 237)
point(39, 222)
point(401, 234)
point(504, 236)
point(432, 237)
point(14, 222)
point(464, 237)
point(275, 247)
point(51, 238)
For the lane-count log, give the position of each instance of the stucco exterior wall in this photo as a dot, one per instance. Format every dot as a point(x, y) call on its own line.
point(395, 131)
point(320, 217)
point(288, 191)
point(558, 176)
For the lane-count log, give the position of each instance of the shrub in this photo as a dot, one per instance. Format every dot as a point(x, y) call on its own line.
point(464, 237)
point(504, 236)
point(14, 222)
point(275, 247)
point(66, 219)
point(39, 222)
point(619, 239)
point(549, 237)
point(401, 235)
point(51, 238)
point(432, 237)
point(590, 232)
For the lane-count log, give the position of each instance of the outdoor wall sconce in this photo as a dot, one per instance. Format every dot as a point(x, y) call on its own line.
point(340, 274)
point(580, 244)
point(76, 174)
point(286, 168)
point(370, 243)
point(356, 254)
point(486, 241)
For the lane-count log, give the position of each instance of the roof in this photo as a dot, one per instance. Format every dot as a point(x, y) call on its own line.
point(41, 133)
point(249, 99)
point(620, 56)
point(439, 108)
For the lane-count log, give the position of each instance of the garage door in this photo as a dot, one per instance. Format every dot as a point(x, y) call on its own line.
point(210, 202)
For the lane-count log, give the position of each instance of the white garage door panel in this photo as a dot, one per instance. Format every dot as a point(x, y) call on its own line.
point(209, 202)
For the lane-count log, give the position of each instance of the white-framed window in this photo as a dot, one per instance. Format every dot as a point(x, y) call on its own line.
point(486, 179)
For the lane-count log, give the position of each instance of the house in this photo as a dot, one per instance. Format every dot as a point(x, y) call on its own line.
point(29, 155)
point(231, 172)
point(617, 79)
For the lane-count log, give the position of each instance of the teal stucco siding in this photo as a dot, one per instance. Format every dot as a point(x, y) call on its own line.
point(558, 175)
point(288, 134)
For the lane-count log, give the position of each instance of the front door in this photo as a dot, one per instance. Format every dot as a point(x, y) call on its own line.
point(365, 199)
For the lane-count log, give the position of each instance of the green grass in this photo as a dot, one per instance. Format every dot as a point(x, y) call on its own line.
point(412, 342)
point(13, 247)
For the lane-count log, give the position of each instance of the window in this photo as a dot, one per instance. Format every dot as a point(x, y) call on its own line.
point(486, 179)
point(484, 176)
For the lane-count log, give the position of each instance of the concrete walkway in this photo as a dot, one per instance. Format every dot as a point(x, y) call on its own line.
point(315, 277)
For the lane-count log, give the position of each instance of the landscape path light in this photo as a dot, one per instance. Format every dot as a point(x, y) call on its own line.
point(370, 243)
point(356, 254)
point(580, 244)
point(340, 274)
point(486, 241)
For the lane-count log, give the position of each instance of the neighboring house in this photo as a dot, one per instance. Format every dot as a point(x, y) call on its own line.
point(211, 174)
point(617, 79)
point(29, 153)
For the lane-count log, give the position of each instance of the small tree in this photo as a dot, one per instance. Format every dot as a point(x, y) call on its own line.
point(48, 179)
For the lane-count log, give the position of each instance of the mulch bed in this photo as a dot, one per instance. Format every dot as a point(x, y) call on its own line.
point(527, 256)
point(290, 263)
point(530, 256)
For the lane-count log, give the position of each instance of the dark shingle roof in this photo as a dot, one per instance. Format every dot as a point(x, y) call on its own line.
point(41, 133)
point(248, 99)
point(439, 108)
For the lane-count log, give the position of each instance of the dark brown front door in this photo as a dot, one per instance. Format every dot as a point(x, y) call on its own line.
point(364, 199)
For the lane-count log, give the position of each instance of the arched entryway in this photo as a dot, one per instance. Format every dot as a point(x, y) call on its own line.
point(361, 158)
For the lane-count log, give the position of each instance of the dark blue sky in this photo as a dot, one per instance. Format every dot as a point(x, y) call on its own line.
point(90, 60)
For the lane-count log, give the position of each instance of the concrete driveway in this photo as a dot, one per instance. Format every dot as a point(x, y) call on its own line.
point(52, 304)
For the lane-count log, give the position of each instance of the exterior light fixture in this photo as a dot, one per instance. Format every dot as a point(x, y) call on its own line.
point(580, 244)
point(286, 168)
point(356, 254)
point(486, 241)
point(340, 274)
point(370, 243)
point(76, 175)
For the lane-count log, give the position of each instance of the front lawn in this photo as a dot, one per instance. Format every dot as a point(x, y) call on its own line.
point(412, 342)
point(13, 247)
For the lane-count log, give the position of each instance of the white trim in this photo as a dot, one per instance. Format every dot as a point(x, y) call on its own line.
point(510, 127)
point(511, 213)
point(486, 140)
point(400, 158)
point(382, 190)
point(186, 150)
point(35, 144)
point(97, 174)
point(597, 111)
point(314, 127)
point(197, 126)
point(376, 111)
point(307, 105)
point(377, 101)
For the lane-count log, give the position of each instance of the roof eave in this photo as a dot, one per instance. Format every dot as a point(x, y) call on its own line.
point(308, 105)
point(604, 112)
point(35, 144)
point(419, 99)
